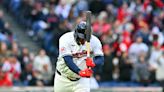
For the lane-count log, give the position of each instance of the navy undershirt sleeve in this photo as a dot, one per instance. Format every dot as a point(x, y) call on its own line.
point(98, 60)
point(72, 66)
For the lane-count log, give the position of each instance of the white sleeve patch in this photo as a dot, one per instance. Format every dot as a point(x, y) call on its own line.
point(64, 48)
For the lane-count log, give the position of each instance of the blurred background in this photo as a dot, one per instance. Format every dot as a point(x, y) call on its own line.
point(131, 31)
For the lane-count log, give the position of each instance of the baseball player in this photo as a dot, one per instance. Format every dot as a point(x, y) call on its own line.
point(72, 72)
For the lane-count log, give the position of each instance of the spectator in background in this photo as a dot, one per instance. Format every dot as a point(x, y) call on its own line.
point(12, 67)
point(137, 48)
point(37, 13)
point(156, 35)
point(108, 38)
point(108, 65)
point(62, 9)
point(159, 70)
point(15, 49)
point(42, 65)
point(5, 31)
point(8, 32)
point(4, 26)
point(4, 78)
point(101, 26)
point(125, 67)
point(24, 58)
point(3, 37)
point(122, 12)
point(141, 70)
point(26, 75)
point(111, 12)
point(81, 5)
point(37, 18)
point(6, 64)
point(71, 18)
point(158, 16)
point(25, 11)
point(125, 41)
point(144, 32)
point(3, 48)
point(156, 52)
point(15, 69)
point(53, 21)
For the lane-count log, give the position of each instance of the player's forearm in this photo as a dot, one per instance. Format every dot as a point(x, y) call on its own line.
point(98, 60)
point(72, 66)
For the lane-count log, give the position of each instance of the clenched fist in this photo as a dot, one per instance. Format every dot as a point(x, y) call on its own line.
point(90, 63)
point(86, 73)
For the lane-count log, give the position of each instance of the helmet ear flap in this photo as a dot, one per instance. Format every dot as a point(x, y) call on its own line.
point(76, 38)
point(75, 34)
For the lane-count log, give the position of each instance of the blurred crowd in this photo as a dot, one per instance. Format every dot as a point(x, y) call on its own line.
point(131, 31)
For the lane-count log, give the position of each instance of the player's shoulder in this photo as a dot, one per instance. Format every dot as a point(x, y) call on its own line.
point(67, 35)
point(94, 38)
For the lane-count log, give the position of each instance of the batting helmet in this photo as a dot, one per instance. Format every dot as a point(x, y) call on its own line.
point(80, 31)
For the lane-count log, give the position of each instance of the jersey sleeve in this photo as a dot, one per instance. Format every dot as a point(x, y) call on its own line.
point(97, 47)
point(64, 48)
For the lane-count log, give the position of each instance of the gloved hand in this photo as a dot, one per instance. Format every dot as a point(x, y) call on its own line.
point(90, 63)
point(86, 73)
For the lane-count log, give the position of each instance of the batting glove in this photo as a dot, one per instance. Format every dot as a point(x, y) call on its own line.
point(86, 73)
point(90, 63)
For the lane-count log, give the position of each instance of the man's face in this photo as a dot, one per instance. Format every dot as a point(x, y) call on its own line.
point(42, 53)
point(82, 41)
point(139, 39)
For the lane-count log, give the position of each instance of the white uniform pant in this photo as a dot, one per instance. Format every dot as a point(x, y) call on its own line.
point(63, 84)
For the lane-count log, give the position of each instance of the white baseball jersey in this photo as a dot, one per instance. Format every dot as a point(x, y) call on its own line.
point(68, 46)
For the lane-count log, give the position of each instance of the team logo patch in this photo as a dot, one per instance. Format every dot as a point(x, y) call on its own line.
point(81, 54)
